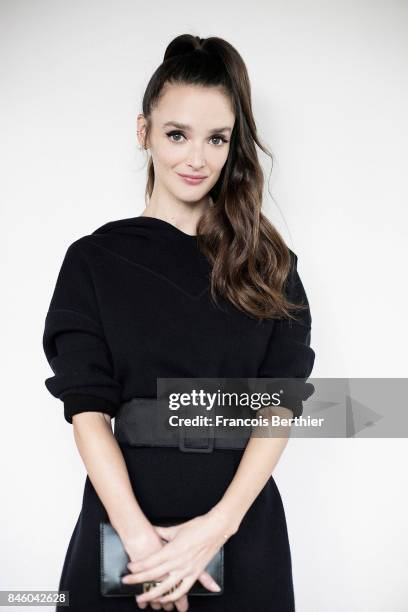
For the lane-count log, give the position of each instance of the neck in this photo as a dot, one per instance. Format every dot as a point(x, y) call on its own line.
point(184, 215)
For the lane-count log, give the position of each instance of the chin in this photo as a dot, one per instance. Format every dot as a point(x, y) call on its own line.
point(190, 193)
point(193, 199)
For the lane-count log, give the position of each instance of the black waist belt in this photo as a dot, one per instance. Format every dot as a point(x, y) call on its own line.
point(144, 421)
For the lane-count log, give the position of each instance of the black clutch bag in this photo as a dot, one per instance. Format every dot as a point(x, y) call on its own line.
point(114, 560)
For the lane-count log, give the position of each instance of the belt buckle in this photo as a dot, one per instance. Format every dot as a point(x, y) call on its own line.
point(196, 449)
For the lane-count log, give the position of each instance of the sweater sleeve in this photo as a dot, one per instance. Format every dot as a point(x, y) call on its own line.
point(289, 354)
point(75, 345)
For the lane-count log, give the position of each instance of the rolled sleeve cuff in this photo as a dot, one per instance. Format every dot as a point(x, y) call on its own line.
point(76, 403)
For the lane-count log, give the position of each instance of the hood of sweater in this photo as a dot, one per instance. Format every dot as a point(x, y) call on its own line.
point(144, 226)
point(156, 245)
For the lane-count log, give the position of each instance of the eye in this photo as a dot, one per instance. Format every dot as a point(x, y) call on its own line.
point(223, 140)
point(173, 134)
point(170, 134)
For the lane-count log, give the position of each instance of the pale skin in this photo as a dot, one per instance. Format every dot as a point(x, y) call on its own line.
point(191, 544)
point(177, 553)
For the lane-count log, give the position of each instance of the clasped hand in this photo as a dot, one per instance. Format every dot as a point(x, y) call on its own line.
point(189, 548)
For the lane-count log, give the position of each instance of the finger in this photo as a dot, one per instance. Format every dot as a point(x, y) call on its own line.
point(150, 561)
point(180, 590)
point(155, 602)
point(141, 606)
point(168, 606)
point(208, 581)
point(182, 604)
point(151, 574)
point(160, 589)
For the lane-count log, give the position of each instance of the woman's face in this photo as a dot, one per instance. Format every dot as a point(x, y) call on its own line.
point(190, 134)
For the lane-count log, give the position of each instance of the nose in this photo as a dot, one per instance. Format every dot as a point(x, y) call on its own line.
point(196, 158)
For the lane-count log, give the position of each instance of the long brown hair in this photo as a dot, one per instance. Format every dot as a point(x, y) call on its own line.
point(250, 260)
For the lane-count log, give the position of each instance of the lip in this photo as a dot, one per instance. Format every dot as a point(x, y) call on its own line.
point(192, 179)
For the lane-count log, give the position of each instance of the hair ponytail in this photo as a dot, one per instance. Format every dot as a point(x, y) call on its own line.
point(251, 263)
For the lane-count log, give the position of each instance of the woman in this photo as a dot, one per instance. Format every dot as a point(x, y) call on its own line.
point(199, 285)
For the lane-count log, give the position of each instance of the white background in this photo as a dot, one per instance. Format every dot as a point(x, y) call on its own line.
point(329, 86)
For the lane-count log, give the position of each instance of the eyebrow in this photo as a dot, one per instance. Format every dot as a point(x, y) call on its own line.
point(183, 126)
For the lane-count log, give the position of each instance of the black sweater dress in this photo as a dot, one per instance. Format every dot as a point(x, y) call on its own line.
point(132, 303)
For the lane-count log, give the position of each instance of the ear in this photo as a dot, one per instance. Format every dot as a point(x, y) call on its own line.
point(141, 130)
